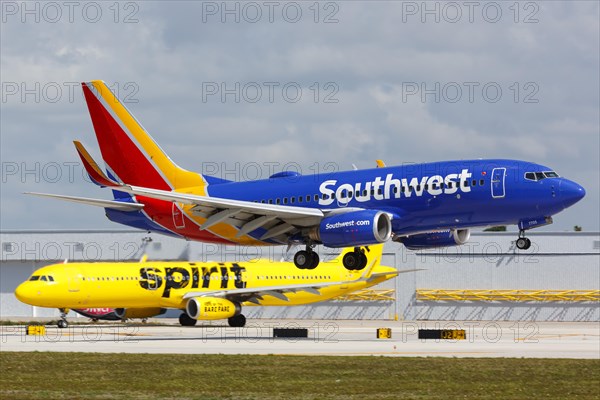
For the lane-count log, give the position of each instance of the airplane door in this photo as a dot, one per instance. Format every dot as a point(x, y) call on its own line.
point(178, 219)
point(498, 178)
point(73, 279)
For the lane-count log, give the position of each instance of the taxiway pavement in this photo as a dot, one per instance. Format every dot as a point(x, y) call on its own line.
point(483, 339)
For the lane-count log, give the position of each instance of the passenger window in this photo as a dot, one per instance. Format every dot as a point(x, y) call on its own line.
point(474, 183)
point(299, 199)
point(481, 182)
point(316, 197)
point(350, 194)
point(380, 191)
point(270, 201)
point(285, 200)
point(466, 183)
point(277, 201)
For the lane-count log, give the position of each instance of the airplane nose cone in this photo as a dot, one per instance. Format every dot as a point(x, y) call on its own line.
point(20, 293)
point(571, 192)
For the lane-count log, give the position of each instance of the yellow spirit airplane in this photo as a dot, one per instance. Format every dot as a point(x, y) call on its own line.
point(203, 291)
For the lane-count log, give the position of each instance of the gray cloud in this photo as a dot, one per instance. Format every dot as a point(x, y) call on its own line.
point(374, 56)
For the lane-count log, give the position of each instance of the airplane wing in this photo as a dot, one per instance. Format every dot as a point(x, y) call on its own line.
point(278, 220)
point(254, 295)
point(115, 205)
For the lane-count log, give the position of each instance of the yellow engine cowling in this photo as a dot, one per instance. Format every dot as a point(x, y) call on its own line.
point(128, 313)
point(209, 308)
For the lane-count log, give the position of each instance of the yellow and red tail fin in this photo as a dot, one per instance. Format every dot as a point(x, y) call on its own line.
point(130, 153)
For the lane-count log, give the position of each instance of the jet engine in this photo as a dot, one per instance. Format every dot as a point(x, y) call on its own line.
point(209, 308)
point(354, 228)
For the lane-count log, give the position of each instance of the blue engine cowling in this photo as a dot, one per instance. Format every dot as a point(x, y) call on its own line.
point(354, 228)
point(436, 239)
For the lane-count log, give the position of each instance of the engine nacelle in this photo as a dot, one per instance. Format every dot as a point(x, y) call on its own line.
point(354, 228)
point(209, 308)
point(128, 313)
point(436, 239)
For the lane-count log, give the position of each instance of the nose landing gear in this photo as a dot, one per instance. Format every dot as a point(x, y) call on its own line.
point(62, 322)
point(523, 243)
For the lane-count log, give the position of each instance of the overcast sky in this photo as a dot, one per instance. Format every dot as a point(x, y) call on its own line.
point(245, 88)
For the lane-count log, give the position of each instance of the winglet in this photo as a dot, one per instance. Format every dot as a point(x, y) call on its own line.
point(92, 168)
point(380, 163)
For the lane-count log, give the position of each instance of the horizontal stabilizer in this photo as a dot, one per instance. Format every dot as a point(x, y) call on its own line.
point(92, 167)
point(397, 272)
point(115, 205)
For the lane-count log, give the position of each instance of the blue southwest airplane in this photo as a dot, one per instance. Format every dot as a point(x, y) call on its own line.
point(420, 205)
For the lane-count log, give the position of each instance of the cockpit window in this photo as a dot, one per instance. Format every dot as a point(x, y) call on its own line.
point(538, 176)
point(34, 278)
point(50, 278)
point(43, 278)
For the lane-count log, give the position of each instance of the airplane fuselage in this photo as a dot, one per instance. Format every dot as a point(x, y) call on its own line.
point(164, 284)
point(418, 197)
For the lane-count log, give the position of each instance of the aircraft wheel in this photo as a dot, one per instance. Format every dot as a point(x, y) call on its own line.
point(62, 324)
point(363, 261)
point(352, 261)
point(186, 320)
point(523, 243)
point(237, 321)
point(315, 260)
point(303, 259)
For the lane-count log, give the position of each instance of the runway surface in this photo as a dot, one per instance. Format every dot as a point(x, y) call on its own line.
point(344, 338)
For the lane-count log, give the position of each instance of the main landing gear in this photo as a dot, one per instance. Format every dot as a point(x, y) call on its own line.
point(237, 321)
point(186, 320)
point(355, 260)
point(523, 243)
point(306, 259)
point(62, 322)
